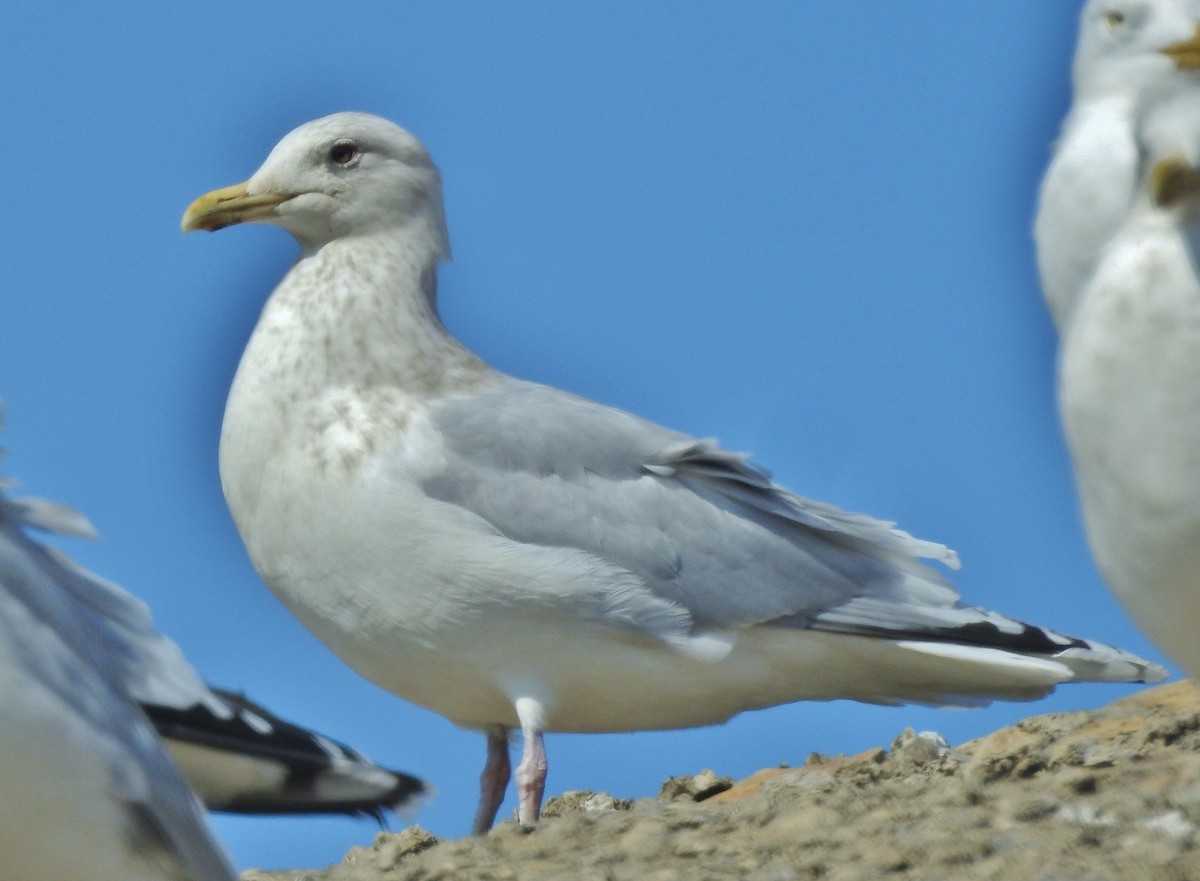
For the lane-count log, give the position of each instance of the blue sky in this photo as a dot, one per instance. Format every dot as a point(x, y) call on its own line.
point(802, 228)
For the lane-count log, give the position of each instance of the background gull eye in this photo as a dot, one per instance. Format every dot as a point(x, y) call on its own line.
point(344, 153)
point(1115, 19)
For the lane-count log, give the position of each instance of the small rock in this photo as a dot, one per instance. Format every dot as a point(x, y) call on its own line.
point(708, 784)
point(1100, 755)
point(1172, 824)
point(1087, 815)
point(584, 801)
point(697, 787)
point(602, 803)
point(806, 781)
point(390, 849)
point(920, 749)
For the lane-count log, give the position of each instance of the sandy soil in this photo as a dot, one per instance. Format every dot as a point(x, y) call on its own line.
point(1088, 796)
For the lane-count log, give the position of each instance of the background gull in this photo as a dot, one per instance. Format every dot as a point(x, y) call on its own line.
point(1129, 390)
point(1131, 54)
point(513, 556)
point(86, 787)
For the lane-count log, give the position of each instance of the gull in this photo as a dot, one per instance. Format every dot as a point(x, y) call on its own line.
point(237, 755)
point(56, 619)
point(512, 556)
point(87, 789)
point(1131, 54)
point(1129, 394)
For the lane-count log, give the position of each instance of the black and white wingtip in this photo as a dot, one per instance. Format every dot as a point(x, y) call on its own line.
point(958, 631)
point(249, 761)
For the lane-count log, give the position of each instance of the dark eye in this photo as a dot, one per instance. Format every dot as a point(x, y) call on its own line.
point(344, 153)
point(1115, 19)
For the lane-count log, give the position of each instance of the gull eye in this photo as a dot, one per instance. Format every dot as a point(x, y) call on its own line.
point(345, 153)
point(1115, 19)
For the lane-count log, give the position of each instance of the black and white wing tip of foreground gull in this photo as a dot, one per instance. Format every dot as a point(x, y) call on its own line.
point(1131, 55)
point(512, 556)
point(241, 758)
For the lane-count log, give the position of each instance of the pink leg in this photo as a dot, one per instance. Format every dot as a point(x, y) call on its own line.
point(531, 778)
point(493, 781)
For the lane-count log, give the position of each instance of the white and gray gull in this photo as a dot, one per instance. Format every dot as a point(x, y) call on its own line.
point(1131, 55)
point(87, 789)
point(1129, 392)
point(512, 556)
point(86, 680)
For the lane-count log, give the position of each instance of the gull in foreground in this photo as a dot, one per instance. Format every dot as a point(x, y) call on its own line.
point(512, 556)
point(237, 755)
point(87, 789)
point(1131, 54)
point(63, 628)
point(1129, 394)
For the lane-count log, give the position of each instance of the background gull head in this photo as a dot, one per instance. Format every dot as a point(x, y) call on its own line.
point(1131, 56)
point(1130, 47)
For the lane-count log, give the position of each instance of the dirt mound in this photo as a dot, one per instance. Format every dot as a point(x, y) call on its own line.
point(1087, 796)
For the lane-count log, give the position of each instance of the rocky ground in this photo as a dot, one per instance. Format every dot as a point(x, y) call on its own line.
point(1088, 796)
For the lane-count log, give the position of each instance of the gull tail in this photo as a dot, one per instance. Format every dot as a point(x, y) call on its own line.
point(249, 761)
point(970, 656)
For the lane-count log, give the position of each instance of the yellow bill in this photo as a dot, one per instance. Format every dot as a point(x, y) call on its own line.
point(228, 206)
point(1173, 181)
point(1185, 54)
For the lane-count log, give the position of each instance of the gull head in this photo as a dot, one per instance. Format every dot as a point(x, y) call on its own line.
point(1133, 47)
point(348, 174)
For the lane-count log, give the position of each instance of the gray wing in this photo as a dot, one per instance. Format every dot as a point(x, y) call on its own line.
point(701, 527)
point(151, 667)
point(214, 735)
point(65, 673)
